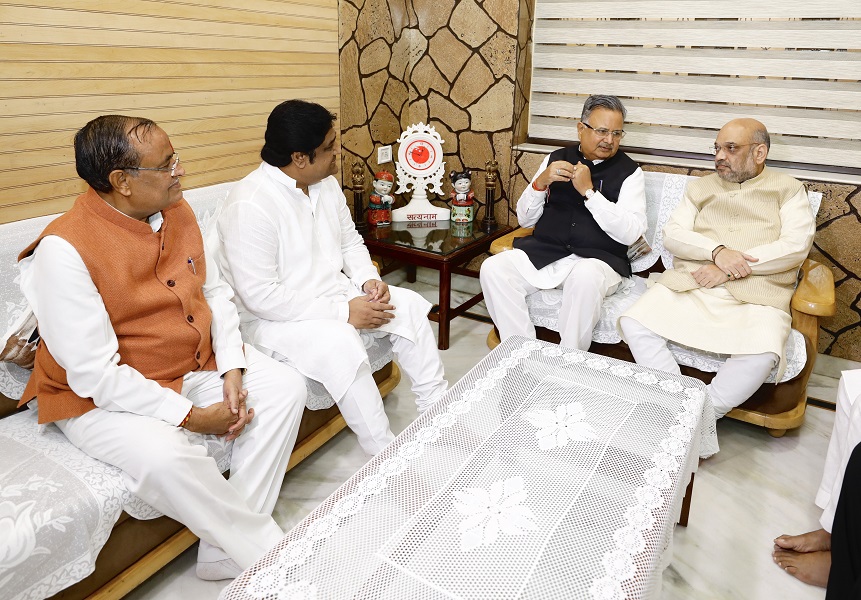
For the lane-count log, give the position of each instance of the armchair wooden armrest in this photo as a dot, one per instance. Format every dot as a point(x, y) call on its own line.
point(506, 242)
point(815, 292)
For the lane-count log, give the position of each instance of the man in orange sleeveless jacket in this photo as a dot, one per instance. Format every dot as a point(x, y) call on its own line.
point(141, 348)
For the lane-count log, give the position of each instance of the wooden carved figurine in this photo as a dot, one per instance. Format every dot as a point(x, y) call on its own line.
point(491, 174)
point(358, 181)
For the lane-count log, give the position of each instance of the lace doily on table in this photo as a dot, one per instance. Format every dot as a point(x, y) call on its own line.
point(440, 508)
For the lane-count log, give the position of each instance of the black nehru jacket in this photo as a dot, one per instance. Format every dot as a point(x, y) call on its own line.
point(567, 227)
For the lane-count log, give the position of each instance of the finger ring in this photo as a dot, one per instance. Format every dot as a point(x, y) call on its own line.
point(557, 172)
point(729, 275)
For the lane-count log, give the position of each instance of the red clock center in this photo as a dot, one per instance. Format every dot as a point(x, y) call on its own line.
point(420, 154)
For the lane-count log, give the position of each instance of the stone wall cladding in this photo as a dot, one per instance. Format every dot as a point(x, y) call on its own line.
point(451, 63)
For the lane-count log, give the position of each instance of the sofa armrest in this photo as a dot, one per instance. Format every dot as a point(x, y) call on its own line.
point(506, 242)
point(815, 292)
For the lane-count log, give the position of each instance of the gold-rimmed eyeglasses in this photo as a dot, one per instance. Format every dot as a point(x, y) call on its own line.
point(617, 134)
point(171, 168)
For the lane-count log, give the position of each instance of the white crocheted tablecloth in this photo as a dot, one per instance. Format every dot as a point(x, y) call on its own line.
point(544, 473)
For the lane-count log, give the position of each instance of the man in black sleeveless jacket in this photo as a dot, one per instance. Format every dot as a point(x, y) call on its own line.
point(587, 203)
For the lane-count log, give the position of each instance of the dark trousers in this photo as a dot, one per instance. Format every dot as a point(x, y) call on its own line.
point(844, 581)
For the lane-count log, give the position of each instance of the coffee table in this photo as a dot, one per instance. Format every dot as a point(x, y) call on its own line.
point(444, 246)
point(543, 473)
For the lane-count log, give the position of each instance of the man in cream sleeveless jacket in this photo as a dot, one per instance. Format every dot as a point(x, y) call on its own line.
point(141, 349)
point(738, 238)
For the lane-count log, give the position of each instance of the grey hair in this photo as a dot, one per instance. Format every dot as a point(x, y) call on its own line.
point(602, 101)
point(760, 136)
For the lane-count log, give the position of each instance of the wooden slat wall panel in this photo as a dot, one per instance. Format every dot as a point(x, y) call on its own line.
point(208, 71)
point(688, 66)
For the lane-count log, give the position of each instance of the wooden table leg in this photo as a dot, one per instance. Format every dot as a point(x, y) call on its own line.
point(686, 503)
point(444, 305)
point(411, 273)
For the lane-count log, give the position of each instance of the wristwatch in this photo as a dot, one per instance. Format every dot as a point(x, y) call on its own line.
point(589, 193)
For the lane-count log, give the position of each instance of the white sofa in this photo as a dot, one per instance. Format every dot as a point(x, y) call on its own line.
point(59, 505)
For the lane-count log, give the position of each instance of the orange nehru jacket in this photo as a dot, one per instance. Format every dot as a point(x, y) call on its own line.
point(153, 295)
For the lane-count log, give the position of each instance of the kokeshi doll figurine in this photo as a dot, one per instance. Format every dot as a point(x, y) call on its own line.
point(380, 202)
point(462, 198)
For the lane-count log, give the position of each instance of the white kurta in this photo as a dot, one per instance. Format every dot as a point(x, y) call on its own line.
point(844, 437)
point(295, 262)
point(134, 426)
point(712, 319)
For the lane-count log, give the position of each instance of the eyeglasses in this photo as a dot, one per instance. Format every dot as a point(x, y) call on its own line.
point(617, 134)
point(171, 169)
point(729, 148)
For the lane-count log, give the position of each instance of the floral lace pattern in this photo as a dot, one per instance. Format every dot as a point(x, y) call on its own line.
point(488, 513)
point(557, 428)
point(500, 513)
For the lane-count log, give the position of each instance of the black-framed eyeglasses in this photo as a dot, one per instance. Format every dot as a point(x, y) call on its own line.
point(617, 134)
point(170, 169)
point(730, 148)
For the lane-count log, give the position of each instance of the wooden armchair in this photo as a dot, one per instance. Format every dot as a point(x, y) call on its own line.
point(777, 407)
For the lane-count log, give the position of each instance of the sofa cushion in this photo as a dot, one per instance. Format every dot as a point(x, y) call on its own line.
point(544, 312)
point(59, 505)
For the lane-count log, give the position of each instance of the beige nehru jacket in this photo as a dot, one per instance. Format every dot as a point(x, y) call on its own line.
point(745, 217)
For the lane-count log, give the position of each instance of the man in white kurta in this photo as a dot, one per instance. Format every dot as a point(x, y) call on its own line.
point(576, 241)
point(305, 285)
point(808, 556)
point(138, 424)
point(738, 238)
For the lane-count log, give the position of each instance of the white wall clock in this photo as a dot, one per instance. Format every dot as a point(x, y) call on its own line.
point(420, 165)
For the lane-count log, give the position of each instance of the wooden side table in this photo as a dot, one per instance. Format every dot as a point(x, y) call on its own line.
point(443, 246)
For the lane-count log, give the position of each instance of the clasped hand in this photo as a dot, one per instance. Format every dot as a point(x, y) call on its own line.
point(370, 311)
point(728, 265)
point(228, 417)
point(733, 263)
point(561, 170)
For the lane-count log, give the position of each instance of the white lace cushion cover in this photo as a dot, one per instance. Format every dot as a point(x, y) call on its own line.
point(544, 312)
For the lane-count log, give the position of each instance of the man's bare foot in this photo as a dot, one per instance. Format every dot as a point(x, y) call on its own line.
point(809, 567)
point(813, 541)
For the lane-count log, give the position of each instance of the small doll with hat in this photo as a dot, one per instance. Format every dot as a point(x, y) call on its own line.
point(380, 202)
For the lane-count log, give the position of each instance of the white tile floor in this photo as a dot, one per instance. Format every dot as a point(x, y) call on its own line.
point(754, 489)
